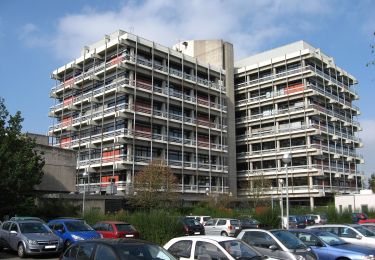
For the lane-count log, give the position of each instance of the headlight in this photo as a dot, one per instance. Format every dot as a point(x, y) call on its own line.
point(32, 242)
point(77, 237)
point(299, 257)
point(368, 257)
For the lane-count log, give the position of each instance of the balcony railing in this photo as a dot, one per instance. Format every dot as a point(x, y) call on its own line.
point(292, 72)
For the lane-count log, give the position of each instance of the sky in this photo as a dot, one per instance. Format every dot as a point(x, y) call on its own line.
point(38, 36)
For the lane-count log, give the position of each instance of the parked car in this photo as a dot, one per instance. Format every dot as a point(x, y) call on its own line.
point(211, 247)
point(280, 244)
point(73, 230)
point(222, 227)
point(201, 219)
point(247, 222)
point(309, 220)
point(319, 218)
point(191, 226)
point(353, 233)
point(116, 229)
point(27, 218)
point(328, 246)
point(369, 220)
point(358, 216)
point(295, 221)
point(370, 226)
point(116, 249)
point(29, 237)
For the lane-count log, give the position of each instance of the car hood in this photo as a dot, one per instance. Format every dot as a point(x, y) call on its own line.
point(41, 236)
point(86, 234)
point(356, 248)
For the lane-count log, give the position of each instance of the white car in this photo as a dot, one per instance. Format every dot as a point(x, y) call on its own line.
point(212, 248)
point(222, 227)
point(201, 219)
point(353, 233)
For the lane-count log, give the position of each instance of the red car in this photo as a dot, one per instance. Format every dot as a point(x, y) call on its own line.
point(116, 229)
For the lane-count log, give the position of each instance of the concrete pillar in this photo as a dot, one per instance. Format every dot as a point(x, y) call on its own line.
point(312, 205)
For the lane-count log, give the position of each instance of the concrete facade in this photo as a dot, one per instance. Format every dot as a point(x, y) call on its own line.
point(59, 169)
point(362, 202)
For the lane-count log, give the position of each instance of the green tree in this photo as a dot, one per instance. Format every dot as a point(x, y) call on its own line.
point(371, 182)
point(20, 165)
point(155, 186)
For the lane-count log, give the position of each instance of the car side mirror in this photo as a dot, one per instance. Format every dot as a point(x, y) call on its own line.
point(358, 237)
point(273, 247)
point(13, 232)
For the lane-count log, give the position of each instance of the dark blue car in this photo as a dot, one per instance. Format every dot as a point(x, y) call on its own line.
point(72, 230)
point(330, 247)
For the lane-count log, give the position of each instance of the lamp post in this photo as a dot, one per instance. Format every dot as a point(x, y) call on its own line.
point(281, 182)
point(287, 158)
point(84, 174)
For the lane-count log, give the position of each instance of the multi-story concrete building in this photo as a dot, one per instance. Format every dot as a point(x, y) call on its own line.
point(127, 100)
point(294, 99)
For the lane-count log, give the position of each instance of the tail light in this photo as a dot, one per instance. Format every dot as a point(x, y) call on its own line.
point(230, 227)
point(118, 235)
point(186, 229)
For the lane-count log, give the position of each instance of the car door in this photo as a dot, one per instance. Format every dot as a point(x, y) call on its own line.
point(4, 233)
point(262, 241)
point(221, 227)
point(315, 244)
point(181, 249)
point(210, 227)
point(14, 237)
point(208, 251)
point(350, 235)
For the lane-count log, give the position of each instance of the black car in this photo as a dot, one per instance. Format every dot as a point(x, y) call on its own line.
point(116, 249)
point(296, 221)
point(191, 226)
point(309, 220)
point(250, 223)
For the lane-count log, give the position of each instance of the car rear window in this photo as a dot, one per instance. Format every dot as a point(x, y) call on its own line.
point(234, 222)
point(125, 227)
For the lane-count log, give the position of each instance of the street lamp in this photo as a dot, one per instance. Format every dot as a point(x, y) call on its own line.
point(281, 182)
point(287, 158)
point(84, 175)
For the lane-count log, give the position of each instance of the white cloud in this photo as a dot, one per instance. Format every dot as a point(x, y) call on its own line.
point(368, 139)
point(30, 34)
point(247, 24)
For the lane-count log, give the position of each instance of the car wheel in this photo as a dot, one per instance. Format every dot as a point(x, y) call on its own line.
point(224, 234)
point(21, 250)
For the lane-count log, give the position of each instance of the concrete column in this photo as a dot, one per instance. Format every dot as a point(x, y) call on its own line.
point(310, 181)
point(277, 145)
point(128, 177)
point(312, 205)
point(130, 124)
point(130, 154)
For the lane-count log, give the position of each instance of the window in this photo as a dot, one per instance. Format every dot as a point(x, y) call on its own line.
point(85, 251)
point(6, 226)
point(307, 239)
point(109, 227)
point(181, 249)
point(350, 208)
point(221, 222)
point(347, 232)
point(71, 253)
point(104, 252)
point(209, 250)
point(14, 227)
point(364, 208)
point(259, 239)
point(211, 222)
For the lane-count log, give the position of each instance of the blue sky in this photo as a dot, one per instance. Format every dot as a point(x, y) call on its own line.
point(39, 36)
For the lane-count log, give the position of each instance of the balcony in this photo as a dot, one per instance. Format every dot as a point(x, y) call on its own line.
point(293, 72)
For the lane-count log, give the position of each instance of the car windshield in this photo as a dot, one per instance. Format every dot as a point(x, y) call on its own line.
point(33, 227)
point(191, 222)
point(124, 227)
point(364, 231)
point(75, 226)
point(288, 239)
point(239, 249)
point(133, 251)
point(331, 239)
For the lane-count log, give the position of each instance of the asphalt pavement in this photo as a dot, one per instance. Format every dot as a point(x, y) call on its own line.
point(12, 255)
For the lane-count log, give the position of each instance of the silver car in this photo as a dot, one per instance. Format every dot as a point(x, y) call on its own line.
point(222, 227)
point(279, 244)
point(29, 238)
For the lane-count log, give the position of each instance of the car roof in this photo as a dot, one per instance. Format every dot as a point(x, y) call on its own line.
point(207, 237)
point(313, 231)
point(367, 223)
point(332, 225)
point(118, 241)
point(66, 219)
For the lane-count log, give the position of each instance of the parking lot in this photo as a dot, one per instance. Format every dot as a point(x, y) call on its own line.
point(7, 254)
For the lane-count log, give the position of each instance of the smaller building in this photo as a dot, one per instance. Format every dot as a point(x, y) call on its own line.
point(59, 169)
point(362, 202)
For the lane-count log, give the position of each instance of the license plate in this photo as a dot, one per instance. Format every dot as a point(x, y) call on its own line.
point(197, 233)
point(237, 227)
point(49, 247)
point(129, 235)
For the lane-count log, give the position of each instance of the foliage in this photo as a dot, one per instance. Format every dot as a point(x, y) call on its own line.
point(50, 209)
point(371, 182)
point(256, 185)
point(21, 165)
point(154, 186)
